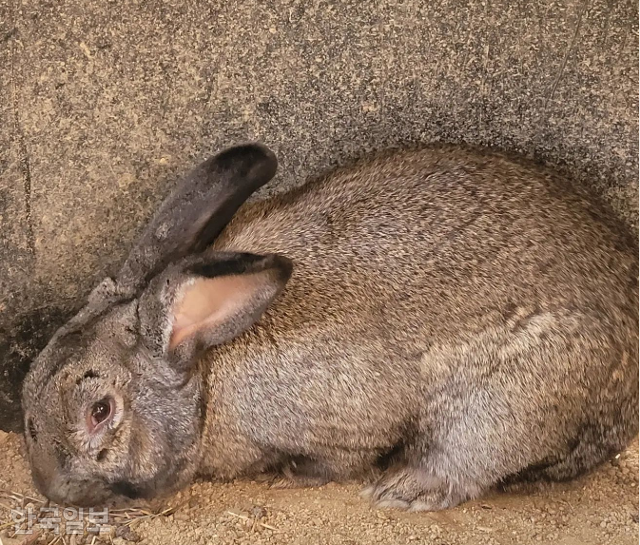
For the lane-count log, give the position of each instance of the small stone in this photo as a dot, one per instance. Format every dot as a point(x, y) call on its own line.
point(258, 512)
point(126, 533)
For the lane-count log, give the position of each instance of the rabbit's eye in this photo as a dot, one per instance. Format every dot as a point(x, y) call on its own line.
point(100, 411)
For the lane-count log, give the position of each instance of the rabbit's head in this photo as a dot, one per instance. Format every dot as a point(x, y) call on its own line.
point(113, 405)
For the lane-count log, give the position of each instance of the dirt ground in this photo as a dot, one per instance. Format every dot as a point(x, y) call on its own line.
point(600, 508)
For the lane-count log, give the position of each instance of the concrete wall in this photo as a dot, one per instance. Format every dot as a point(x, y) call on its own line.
point(103, 104)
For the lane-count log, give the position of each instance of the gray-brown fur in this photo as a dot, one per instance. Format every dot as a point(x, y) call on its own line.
point(454, 319)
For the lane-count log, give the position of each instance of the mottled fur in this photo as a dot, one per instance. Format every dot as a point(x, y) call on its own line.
point(454, 319)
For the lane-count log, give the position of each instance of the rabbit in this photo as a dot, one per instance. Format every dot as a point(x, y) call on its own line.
point(432, 322)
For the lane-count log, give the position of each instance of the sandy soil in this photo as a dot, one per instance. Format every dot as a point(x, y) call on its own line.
point(601, 508)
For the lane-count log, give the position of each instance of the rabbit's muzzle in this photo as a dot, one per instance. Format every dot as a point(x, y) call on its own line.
point(64, 489)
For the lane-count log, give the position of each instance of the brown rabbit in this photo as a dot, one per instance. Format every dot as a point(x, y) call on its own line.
point(438, 321)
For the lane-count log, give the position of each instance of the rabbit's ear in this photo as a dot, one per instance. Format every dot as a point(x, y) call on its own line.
point(196, 305)
point(197, 210)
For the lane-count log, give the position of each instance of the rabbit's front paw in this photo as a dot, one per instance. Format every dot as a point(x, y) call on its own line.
point(291, 476)
point(412, 489)
point(297, 482)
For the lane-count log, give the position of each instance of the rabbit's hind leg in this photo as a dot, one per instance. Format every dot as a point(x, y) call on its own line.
point(595, 444)
point(415, 488)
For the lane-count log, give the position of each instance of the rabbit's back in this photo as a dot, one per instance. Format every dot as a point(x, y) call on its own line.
point(449, 233)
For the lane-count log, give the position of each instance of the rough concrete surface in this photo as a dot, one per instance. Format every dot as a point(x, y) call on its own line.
point(103, 105)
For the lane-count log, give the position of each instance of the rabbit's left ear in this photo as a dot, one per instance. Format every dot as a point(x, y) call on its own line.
point(202, 303)
point(199, 208)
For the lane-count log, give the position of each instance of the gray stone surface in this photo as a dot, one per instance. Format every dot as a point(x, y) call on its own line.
point(103, 104)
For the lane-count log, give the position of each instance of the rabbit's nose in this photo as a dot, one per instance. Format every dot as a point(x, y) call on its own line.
point(59, 487)
point(43, 470)
point(50, 486)
point(39, 480)
point(48, 482)
point(67, 491)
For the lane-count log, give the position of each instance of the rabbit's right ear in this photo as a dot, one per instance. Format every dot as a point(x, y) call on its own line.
point(209, 300)
point(198, 209)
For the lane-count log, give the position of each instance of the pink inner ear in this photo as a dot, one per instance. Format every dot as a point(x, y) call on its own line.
point(208, 302)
